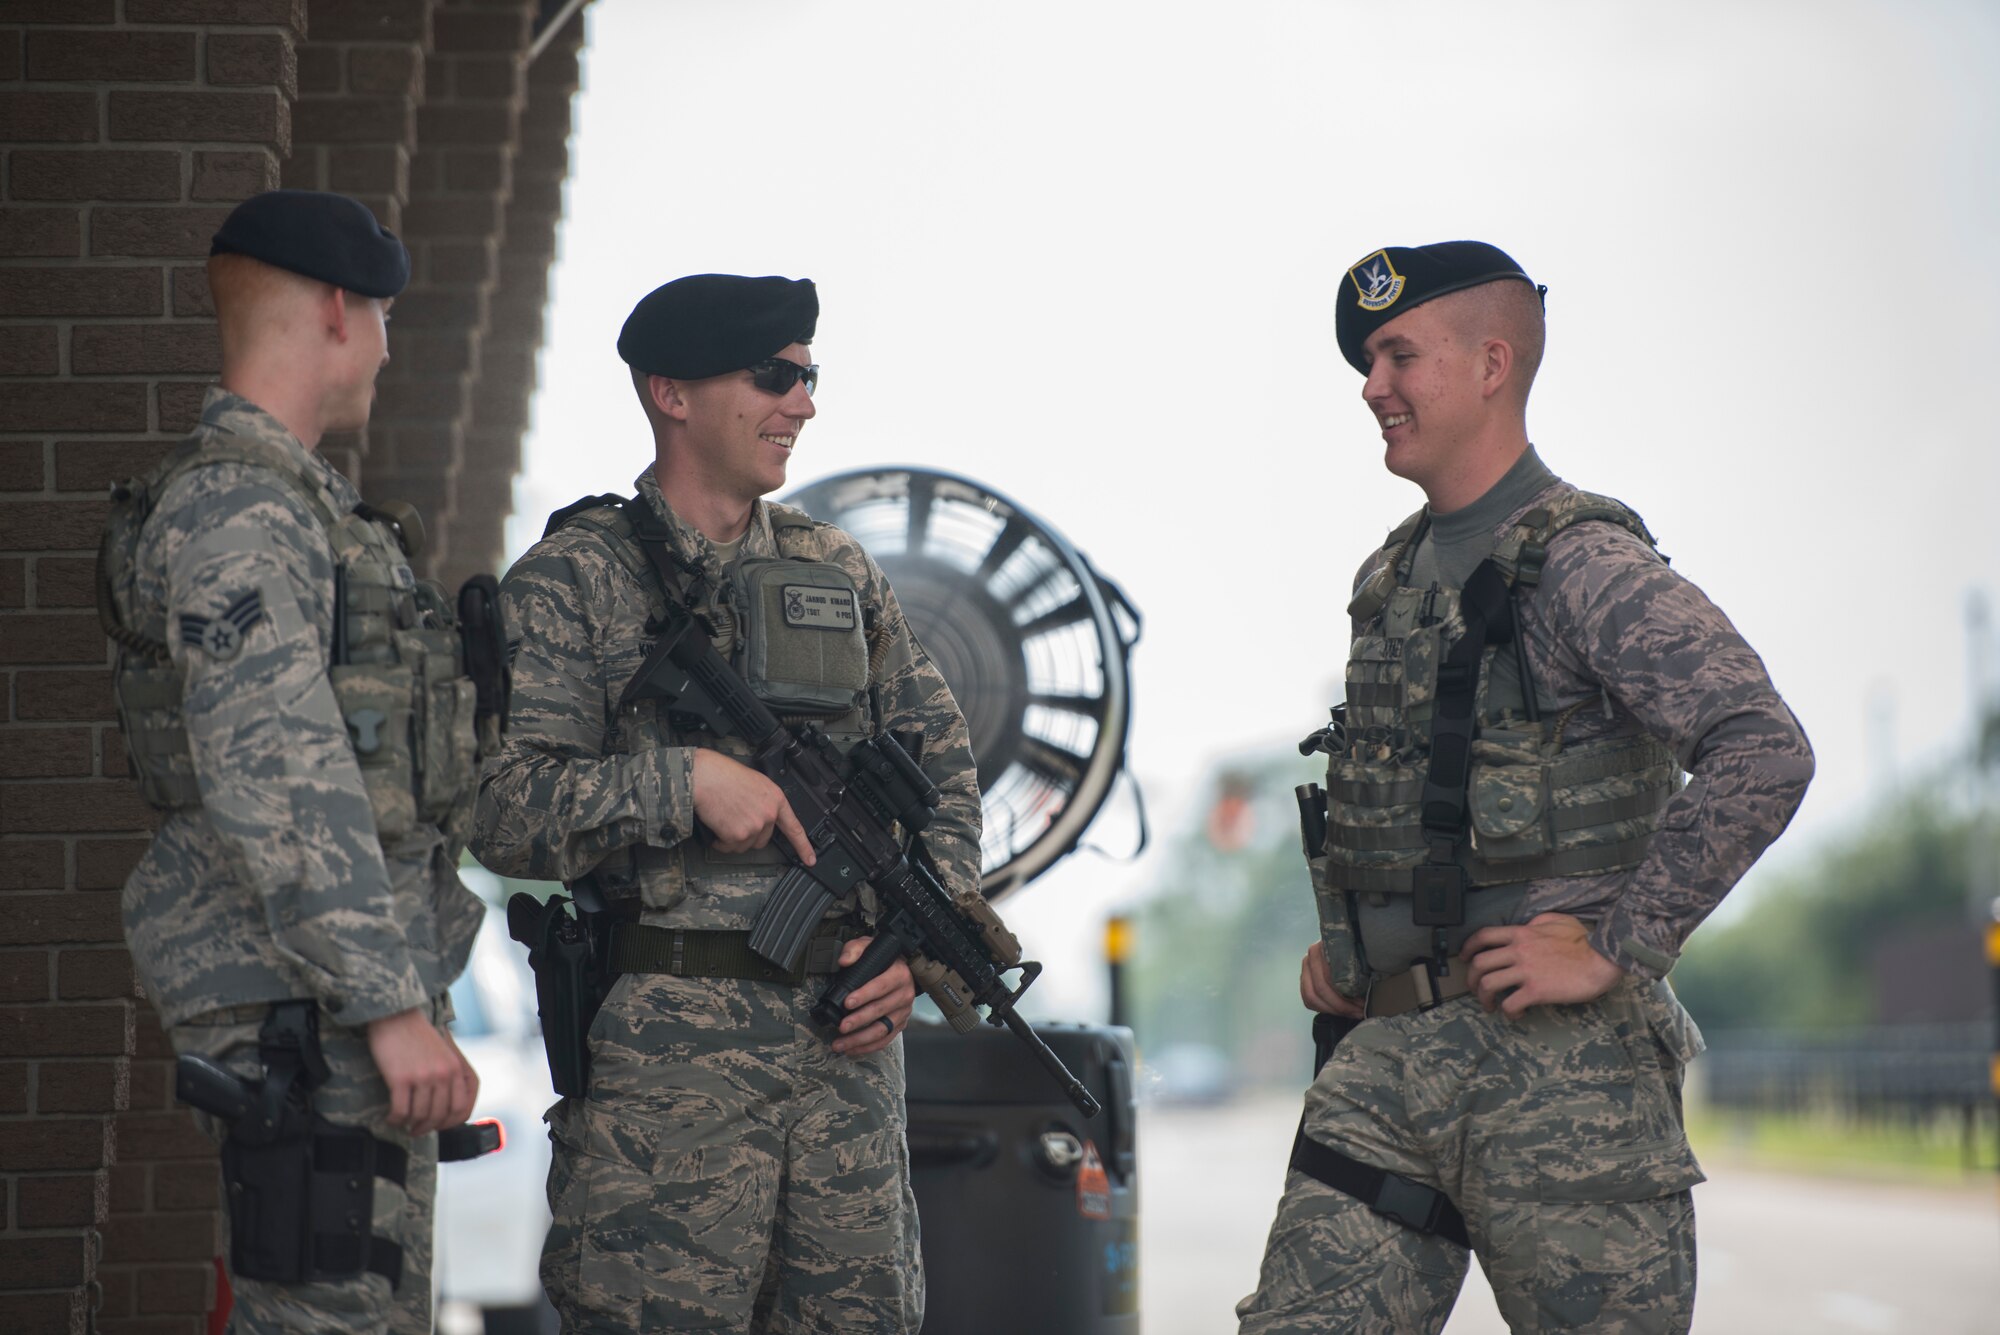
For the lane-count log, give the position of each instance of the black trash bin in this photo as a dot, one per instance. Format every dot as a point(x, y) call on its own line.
point(1030, 1211)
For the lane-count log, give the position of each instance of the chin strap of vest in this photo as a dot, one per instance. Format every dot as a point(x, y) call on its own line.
point(1438, 885)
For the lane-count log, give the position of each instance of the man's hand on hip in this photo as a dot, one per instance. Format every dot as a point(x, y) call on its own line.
point(1546, 961)
point(1316, 987)
point(742, 808)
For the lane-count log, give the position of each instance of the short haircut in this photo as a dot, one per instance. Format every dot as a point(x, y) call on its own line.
point(1508, 310)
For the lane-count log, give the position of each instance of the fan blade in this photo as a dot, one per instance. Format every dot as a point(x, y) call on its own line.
point(1067, 614)
point(1090, 706)
point(1057, 764)
point(923, 495)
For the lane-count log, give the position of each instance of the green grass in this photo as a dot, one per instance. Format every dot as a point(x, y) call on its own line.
point(1933, 1151)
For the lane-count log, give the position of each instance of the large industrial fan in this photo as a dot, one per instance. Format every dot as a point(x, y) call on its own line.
point(1034, 643)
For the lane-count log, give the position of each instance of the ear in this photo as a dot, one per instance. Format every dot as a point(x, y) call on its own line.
point(334, 304)
point(1496, 366)
point(666, 397)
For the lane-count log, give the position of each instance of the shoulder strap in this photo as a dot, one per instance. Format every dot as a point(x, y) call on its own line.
point(600, 501)
point(1523, 552)
point(1374, 592)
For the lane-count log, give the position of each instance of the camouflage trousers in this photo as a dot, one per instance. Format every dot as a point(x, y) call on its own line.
point(1559, 1137)
point(730, 1171)
point(353, 1095)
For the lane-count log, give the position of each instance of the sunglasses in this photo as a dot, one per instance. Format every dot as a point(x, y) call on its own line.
point(775, 375)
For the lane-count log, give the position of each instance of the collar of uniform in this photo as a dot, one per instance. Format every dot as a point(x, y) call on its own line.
point(692, 543)
point(225, 410)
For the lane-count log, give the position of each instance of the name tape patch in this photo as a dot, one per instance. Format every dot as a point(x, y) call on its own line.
point(820, 609)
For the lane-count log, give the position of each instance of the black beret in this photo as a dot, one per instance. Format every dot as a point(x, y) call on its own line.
point(1387, 282)
point(714, 323)
point(328, 237)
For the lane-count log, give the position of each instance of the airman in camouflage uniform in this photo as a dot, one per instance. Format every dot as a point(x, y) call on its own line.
point(1521, 1068)
point(271, 876)
point(729, 1169)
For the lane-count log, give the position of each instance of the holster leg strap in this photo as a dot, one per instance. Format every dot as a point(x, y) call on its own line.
point(1391, 1195)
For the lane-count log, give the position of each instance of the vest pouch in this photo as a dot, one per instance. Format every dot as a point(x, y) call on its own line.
point(445, 748)
point(149, 712)
point(803, 649)
point(1336, 933)
point(375, 700)
point(1509, 798)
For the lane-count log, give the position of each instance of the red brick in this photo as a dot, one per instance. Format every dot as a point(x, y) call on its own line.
point(354, 120)
point(43, 1263)
point(453, 311)
point(46, 1313)
point(53, 637)
point(56, 1202)
point(101, 57)
point(158, 1238)
point(253, 58)
point(150, 1044)
point(290, 14)
point(186, 1186)
point(10, 56)
point(256, 118)
point(101, 1030)
point(72, 807)
point(147, 1137)
point(94, 975)
point(233, 174)
point(503, 30)
point(161, 232)
point(33, 864)
point(29, 350)
point(369, 170)
point(53, 525)
point(319, 68)
point(488, 79)
point(44, 117)
point(48, 233)
point(103, 864)
point(116, 1282)
point(432, 354)
point(44, 753)
point(81, 1087)
point(372, 21)
point(476, 123)
point(24, 975)
point(397, 70)
point(13, 1088)
point(96, 173)
point(55, 1145)
point(477, 168)
point(21, 464)
point(128, 1185)
point(79, 291)
point(66, 581)
point(181, 1288)
point(73, 406)
point(93, 465)
point(150, 1086)
point(50, 919)
point(57, 11)
point(142, 349)
point(190, 288)
point(116, 763)
point(13, 582)
point(179, 403)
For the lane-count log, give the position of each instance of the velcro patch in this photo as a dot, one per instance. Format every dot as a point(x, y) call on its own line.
point(819, 609)
point(221, 637)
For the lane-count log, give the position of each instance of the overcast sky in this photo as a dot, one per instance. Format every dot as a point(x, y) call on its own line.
point(1088, 253)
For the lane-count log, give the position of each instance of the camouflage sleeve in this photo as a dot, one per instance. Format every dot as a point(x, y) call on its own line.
point(246, 574)
point(913, 694)
point(1663, 651)
point(552, 804)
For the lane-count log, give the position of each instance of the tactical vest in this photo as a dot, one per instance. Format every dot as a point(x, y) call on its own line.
point(793, 627)
point(1539, 804)
point(396, 659)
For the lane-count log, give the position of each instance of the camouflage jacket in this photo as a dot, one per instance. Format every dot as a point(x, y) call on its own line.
point(277, 885)
point(578, 787)
point(1614, 629)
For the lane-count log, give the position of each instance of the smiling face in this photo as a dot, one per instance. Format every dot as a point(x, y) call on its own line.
point(738, 438)
point(1425, 388)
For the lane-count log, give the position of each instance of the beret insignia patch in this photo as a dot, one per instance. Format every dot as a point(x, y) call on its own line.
point(221, 638)
point(1377, 282)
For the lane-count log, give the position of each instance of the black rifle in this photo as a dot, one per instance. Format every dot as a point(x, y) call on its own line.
point(959, 953)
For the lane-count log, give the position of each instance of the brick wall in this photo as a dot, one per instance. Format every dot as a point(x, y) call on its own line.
point(128, 129)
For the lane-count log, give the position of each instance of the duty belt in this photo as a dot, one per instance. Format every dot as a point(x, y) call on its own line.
point(697, 953)
point(1417, 988)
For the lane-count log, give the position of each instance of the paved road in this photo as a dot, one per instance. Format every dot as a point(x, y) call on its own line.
point(1779, 1254)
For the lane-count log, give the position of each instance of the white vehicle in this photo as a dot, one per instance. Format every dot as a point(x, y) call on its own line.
point(492, 1212)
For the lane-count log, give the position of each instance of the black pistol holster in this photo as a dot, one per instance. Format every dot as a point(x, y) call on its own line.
point(301, 1188)
point(568, 955)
